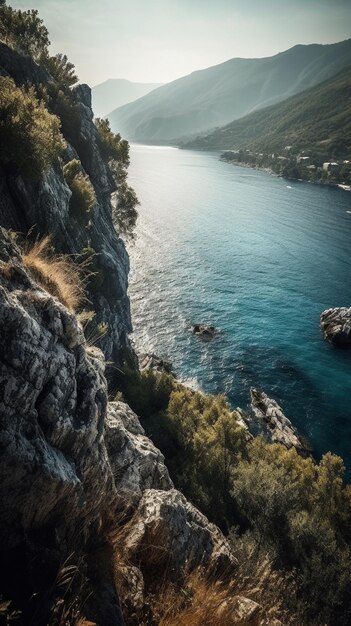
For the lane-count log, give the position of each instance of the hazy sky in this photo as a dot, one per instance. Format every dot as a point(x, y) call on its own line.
point(160, 40)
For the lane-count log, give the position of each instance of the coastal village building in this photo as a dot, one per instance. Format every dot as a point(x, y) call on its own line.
point(303, 159)
point(329, 167)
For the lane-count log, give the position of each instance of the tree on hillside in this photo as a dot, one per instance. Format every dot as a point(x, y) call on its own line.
point(23, 30)
point(31, 138)
point(115, 152)
point(60, 68)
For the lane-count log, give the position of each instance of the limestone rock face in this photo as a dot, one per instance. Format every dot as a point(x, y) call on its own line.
point(68, 456)
point(136, 464)
point(275, 425)
point(43, 206)
point(53, 465)
point(245, 610)
point(167, 531)
point(336, 326)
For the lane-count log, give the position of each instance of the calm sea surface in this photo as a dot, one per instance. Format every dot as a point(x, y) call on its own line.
point(259, 258)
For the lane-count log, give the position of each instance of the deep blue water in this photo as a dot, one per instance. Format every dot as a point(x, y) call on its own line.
point(258, 257)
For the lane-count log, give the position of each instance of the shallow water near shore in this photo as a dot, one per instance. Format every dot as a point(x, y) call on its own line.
point(258, 257)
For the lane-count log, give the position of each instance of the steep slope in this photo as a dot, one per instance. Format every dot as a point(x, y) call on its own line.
point(115, 92)
point(70, 463)
point(217, 95)
point(43, 206)
point(317, 119)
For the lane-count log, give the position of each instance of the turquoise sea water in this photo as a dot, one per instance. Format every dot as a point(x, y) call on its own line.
point(259, 258)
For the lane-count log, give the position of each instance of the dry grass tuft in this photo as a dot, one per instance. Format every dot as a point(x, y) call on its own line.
point(58, 275)
point(257, 595)
point(6, 270)
point(240, 602)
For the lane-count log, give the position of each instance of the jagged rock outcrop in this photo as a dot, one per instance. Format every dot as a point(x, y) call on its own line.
point(168, 532)
point(243, 420)
point(54, 464)
point(336, 326)
point(136, 464)
point(276, 427)
point(43, 206)
point(68, 457)
point(155, 363)
point(55, 476)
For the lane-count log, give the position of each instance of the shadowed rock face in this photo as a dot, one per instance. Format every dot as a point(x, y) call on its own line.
point(43, 206)
point(336, 326)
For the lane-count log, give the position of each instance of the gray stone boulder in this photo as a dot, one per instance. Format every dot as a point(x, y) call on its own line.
point(336, 326)
point(136, 464)
point(168, 531)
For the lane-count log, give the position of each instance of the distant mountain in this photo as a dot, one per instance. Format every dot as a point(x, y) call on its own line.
point(318, 120)
point(215, 96)
point(115, 92)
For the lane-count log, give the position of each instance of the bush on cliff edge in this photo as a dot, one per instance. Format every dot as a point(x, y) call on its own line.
point(31, 138)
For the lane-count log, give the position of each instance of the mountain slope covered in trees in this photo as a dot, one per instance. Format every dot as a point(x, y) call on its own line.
point(217, 95)
point(317, 119)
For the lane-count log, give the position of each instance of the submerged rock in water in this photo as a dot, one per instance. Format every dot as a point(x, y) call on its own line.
point(276, 427)
point(336, 326)
point(203, 330)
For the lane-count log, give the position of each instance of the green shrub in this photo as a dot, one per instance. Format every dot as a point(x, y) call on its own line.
point(24, 31)
point(124, 212)
point(31, 138)
point(302, 511)
point(83, 196)
point(147, 392)
point(208, 442)
point(112, 146)
point(115, 152)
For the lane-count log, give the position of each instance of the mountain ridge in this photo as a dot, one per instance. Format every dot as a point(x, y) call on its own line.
point(215, 96)
point(115, 92)
point(316, 116)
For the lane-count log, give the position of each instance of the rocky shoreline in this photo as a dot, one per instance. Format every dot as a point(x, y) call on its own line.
point(274, 425)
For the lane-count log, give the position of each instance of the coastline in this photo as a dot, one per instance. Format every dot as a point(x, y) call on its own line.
point(271, 172)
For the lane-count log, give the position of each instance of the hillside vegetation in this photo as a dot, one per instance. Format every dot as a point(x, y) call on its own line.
point(317, 119)
point(217, 95)
point(274, 501)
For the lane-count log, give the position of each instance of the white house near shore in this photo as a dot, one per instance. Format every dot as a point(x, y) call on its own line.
point(328, 167)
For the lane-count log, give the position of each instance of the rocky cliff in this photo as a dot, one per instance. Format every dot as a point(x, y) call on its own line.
point(43, 207)
point(70, 460)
